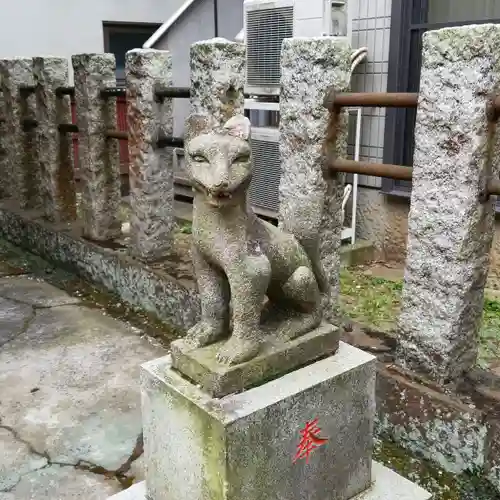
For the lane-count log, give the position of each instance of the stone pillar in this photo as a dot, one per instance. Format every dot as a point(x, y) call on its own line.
point(99, 160)
point(4, 159)
point(22, 179)
point(450, 229)
point(217, 81)
point(54, 149)
point(151, 168)
point(310, 206)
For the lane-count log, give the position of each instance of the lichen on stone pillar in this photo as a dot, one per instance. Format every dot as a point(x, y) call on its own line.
point(450, 227)
point(217, 82)
point(55, 149)
point(310, 205)
point(99, 160)
point(23, 180)
point(151, 168)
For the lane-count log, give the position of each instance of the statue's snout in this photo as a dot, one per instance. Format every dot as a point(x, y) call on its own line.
point(220, 187)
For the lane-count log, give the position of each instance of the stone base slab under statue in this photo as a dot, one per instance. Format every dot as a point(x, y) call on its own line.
point(254, 445)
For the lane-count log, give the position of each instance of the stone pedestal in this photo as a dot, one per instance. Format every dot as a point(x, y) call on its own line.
point(244, 446)
point(247, 446)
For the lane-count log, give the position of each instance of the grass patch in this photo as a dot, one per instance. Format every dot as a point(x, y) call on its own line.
point(489, 346)
point(370, 300)
point(186, 227)
point(376, 302)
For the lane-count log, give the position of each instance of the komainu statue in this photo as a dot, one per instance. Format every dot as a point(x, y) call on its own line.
point(253, 278)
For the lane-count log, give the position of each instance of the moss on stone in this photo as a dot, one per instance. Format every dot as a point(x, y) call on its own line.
point(443, 485)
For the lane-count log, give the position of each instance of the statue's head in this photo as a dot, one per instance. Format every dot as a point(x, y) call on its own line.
point(219, 163)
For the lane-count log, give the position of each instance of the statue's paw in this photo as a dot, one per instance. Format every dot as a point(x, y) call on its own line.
point(204, 333)
point(238, 350)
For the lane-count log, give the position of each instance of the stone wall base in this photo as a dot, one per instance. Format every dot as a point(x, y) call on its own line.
point(132, 280)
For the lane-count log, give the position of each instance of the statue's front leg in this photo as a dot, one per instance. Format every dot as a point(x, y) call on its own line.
point(249, 278)
point(214, 295)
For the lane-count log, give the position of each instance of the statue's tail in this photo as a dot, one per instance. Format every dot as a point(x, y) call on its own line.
point(302, 217)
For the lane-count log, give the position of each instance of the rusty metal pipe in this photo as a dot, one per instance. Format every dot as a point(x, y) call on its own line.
point(117, 134)
point(493, 108)
point(62, 91)
point(29, 124)
point(26, 90)
point(494, 186)
point(172, 142)
point(68, 128)
point(396, 172)
point(113, 92)
point(162, 93)
point(334, 100)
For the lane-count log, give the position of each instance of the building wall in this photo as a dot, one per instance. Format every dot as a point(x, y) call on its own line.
point(65, 27)
point(379, 218)
point(371, 28)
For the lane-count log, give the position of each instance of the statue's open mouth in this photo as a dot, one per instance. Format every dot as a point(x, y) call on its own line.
point(218, 197)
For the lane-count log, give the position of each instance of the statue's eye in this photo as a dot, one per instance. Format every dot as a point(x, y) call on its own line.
point(199, 159)
point(243, 158)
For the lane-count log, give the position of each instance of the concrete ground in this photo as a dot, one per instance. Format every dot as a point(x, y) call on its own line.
point(70, 417)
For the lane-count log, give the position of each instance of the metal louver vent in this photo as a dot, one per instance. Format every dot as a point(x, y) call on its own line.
point(265, 31)
point(264, 189)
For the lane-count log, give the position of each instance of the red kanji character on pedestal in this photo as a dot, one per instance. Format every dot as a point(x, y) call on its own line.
point(309, 441)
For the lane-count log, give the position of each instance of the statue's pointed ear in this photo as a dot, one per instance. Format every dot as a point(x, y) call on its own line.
point(238, 126)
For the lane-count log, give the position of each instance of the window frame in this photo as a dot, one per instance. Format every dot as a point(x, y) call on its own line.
point(407, 17)
point(110, 27)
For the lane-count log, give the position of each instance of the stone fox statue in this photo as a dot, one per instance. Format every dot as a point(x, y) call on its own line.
point(241, 259)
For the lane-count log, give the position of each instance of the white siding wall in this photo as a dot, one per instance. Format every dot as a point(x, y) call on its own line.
point(65, 27)
point(371, 28)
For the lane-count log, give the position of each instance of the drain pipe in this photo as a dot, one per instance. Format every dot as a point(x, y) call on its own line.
point(216, 18)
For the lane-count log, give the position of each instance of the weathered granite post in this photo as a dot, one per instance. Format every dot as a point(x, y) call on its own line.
point(217, 81)
point(99, 160)
point(23, 178)
point(151, 168)
point(4, 159)
point(450, 226)
point(309, 67)
point(55, 150)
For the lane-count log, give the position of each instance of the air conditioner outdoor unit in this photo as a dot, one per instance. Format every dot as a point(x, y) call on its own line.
point(264, 188)
point(268, 22)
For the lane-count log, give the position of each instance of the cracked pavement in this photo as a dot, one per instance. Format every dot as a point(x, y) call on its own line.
point(70, 416)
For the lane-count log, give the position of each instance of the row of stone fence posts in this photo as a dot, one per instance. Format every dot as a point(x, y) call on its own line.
point(36, 165)
point(450, 224)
